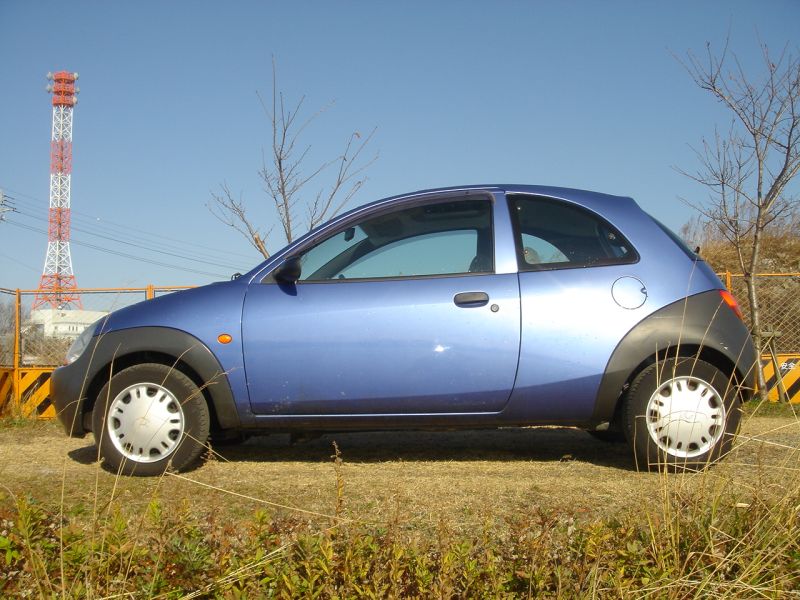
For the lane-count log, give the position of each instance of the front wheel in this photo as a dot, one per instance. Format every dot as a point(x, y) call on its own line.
point(149, 417)
point(681, 412)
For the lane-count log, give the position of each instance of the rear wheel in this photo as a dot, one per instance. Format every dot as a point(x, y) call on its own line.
point(681, 412)
point(149, 417)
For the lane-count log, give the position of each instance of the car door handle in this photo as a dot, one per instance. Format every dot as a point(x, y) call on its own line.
point(471, 299)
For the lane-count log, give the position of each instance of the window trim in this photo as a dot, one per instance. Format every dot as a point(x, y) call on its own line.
point(524, 266)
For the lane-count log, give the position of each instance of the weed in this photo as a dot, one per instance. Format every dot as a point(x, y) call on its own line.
point(725, 550)
point(731, 531)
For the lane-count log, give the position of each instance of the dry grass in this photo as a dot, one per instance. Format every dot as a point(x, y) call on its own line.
point(545, 511)
point(470, 476)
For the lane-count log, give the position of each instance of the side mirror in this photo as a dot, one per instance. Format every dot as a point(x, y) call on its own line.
point(289, 271)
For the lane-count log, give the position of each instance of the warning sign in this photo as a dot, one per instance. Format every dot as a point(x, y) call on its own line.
point(787, 378)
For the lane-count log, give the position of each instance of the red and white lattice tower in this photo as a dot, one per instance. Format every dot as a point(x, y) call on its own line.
point(57, 287)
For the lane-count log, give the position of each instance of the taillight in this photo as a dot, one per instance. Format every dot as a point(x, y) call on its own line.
point(728, 298)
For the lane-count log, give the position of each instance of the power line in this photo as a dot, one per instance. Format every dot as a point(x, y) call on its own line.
point(20, 263)
point(123, 254)
point(125, 230)
point(147, 248)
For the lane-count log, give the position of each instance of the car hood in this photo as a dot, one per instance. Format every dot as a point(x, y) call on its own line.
point(203, 312)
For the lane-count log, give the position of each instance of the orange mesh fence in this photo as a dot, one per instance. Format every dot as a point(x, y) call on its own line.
point(779, 305)
point(40, 338)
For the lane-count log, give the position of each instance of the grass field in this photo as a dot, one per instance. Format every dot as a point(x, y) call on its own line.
point(544, 512)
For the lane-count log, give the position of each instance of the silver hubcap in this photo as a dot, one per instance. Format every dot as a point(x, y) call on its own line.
point(145, 422)
point(686, 417)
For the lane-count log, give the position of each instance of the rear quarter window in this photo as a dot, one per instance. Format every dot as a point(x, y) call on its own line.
point(552, 234)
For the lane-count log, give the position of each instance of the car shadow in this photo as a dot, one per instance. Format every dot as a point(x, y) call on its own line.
point(544, 444)
point(539, 444)
point(87, 455)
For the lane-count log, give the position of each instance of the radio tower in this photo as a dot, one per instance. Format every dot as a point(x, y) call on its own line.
point(57, 286)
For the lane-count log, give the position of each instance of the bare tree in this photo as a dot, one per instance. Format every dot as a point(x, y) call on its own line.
point(8, 321)
point(747, 169)
point(779, 251)
point(289, 182)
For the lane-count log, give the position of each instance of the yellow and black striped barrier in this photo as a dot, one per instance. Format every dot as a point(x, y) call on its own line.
point(25, 391)
point(6, 389)
point(782, 377)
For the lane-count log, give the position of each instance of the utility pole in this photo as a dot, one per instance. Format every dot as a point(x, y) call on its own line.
point(6, 205)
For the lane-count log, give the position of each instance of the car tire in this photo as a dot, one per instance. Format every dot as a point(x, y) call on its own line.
point(148, 418)
point(681, 413)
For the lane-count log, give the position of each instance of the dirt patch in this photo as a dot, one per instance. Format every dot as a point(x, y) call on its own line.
point(472, 479)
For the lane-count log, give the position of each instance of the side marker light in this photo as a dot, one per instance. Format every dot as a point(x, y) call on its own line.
point(728, 298)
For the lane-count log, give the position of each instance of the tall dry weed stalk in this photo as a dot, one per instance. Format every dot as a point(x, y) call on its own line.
point(730, 531)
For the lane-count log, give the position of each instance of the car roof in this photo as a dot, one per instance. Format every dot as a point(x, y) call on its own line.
point(566, 193)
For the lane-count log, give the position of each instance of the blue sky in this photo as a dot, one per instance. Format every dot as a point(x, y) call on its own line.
point(577, 94)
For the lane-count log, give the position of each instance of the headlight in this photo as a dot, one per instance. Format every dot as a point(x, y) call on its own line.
point(80, 343)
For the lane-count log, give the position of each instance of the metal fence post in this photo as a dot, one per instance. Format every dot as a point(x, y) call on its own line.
point(15, 391)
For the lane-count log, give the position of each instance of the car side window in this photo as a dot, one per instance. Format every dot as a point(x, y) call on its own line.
point(556, 235)
point(336, 245)
point(440, 253)
point(446, 238)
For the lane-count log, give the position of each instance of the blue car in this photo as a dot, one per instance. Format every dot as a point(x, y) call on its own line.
point(470, 307)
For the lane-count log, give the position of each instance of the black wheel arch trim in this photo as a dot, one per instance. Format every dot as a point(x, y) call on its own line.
point(702, 324)
point(122, 348)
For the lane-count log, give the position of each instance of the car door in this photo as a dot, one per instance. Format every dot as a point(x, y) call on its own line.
point(399, 312)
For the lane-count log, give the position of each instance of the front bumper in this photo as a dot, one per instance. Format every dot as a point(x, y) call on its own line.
point(68, 389)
